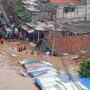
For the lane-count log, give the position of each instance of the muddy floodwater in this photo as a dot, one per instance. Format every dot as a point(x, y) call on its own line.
point(9, 66)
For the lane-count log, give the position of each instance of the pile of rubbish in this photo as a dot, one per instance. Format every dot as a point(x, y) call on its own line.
point(45, 75)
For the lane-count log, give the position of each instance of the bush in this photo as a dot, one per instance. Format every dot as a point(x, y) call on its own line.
point(85, 68)
point(20, 11)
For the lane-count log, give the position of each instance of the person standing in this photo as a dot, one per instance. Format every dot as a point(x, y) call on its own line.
point(46, 56)
point(2, 40)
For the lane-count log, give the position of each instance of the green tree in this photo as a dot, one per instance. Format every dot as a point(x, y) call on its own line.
point(20, 11)
point(85, 68)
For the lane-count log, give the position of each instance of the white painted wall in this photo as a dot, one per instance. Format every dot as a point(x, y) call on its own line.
point(88, 12)
point(78, 14)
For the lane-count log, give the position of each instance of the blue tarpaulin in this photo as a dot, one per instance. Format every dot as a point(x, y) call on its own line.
point(85, 81)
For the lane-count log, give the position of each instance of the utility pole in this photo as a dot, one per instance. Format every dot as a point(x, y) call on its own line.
point(86, 10)
point(54, 32)
point(38, 36)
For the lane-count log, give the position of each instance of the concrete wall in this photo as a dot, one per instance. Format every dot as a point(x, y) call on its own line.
point(42, 15)
point(88, 12)
point(88, 2)
point(81, 11)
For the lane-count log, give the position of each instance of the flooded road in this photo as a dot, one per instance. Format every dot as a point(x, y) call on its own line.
point(9, 77)
point(9, 66)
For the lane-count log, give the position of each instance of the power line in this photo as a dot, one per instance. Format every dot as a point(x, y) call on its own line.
point(63, 62)
point(69, 74)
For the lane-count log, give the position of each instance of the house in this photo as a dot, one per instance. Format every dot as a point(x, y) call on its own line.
point(74, 38)
point(40, 9)
point(72, 10)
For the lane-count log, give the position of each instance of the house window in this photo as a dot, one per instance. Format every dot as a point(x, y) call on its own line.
point(69, 9)
point(44, 1)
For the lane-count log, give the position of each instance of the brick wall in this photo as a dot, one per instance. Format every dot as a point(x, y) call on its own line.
point(71, 43)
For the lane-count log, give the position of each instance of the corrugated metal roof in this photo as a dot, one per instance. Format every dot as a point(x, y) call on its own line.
point(85, 81)
point(78, 27)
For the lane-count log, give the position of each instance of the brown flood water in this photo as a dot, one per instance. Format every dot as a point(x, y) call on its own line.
point(9, 57)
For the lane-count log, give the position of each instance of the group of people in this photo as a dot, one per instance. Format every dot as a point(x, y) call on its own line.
point(12, 32)
point(21, 48)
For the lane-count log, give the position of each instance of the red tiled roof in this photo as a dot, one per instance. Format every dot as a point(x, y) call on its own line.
point(65, 1)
